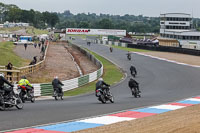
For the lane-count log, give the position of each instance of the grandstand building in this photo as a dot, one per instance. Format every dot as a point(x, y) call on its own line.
point(176, 29)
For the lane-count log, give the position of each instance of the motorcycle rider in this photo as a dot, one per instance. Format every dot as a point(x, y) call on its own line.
point(129, 55)
point(57, 84)
point(102, 85)
point(2, 81)
point(133, 70)
point(133, 84)
point(26, 83)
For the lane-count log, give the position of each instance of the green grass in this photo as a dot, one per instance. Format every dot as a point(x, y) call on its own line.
point(34, 31)
point(111, 75)
point(131, 49)
point(10, 29)
point(7, 54)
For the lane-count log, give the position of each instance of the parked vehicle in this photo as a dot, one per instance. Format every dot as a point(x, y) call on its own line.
point(9, 100)
point(25, 94)
point(103, 96)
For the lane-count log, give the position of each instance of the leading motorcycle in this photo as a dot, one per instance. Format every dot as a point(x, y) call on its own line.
point(104, 96)
point(9, 100)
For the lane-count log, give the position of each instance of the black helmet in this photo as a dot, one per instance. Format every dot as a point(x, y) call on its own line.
point(23, 77)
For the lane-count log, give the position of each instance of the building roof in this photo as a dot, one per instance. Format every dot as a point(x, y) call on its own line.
point(175, 15)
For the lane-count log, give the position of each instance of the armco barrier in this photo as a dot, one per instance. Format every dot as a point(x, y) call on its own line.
point(46, 89)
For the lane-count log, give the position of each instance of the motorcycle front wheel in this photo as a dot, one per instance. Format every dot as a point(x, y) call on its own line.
point(20, 104)
point(111, 99)
point(2, 106)
point(61, 96)
point(33, 99)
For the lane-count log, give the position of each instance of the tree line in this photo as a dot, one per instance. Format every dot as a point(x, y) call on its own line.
point(12, 13)
point(131, 23)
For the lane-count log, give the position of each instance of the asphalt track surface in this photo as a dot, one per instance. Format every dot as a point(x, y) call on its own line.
point(160, 82)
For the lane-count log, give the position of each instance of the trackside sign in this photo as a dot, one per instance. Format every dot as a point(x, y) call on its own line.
point(77, 31)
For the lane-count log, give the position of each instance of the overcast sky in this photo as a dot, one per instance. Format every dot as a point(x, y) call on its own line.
point(115, 7)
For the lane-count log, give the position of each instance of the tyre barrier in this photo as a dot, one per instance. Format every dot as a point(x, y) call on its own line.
point(46, 89)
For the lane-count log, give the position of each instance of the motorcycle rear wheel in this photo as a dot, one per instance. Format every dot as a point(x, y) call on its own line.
point(103, 99)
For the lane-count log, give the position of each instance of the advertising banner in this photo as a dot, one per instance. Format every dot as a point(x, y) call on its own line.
point(77, 31)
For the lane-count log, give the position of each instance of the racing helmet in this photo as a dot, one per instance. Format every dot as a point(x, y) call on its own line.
point(1, 74)
point(100, 79)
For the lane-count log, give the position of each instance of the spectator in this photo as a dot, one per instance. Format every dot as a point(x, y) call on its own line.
point(9, 67)
point(35, 59)
point(39, 44)
point(35, 44)
point(25, 45)
point(42, 50)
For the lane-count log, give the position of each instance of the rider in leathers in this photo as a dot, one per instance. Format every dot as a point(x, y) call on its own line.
point(2, 81)
point(26, 83)
point(57, 84)
point(133, 70)
point(102, 85)
point(133, 84)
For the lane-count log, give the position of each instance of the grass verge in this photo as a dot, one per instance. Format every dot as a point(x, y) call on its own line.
point(34, 31)
point(131, 49)
point(7, 54)
point(112, 75)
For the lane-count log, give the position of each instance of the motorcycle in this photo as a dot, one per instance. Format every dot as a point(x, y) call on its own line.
point(25, 94)
point(134, 74)
point(9, 100)
point(129, 56)
point(135, 92)
point(103, 96)
point(58, 94)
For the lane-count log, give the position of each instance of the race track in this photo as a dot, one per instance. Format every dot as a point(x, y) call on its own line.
point(160, 82)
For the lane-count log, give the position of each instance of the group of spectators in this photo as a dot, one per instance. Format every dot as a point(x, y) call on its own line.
point(42, 44)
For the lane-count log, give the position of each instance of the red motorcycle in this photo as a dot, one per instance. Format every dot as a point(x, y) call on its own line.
point(26, 94)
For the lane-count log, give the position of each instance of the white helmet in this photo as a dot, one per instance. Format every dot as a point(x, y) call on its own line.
point(100, 79)
point(1, 74)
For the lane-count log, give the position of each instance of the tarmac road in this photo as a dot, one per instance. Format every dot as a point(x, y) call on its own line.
point(160, 82)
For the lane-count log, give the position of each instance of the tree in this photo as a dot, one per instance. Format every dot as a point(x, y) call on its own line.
point(105, 24)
